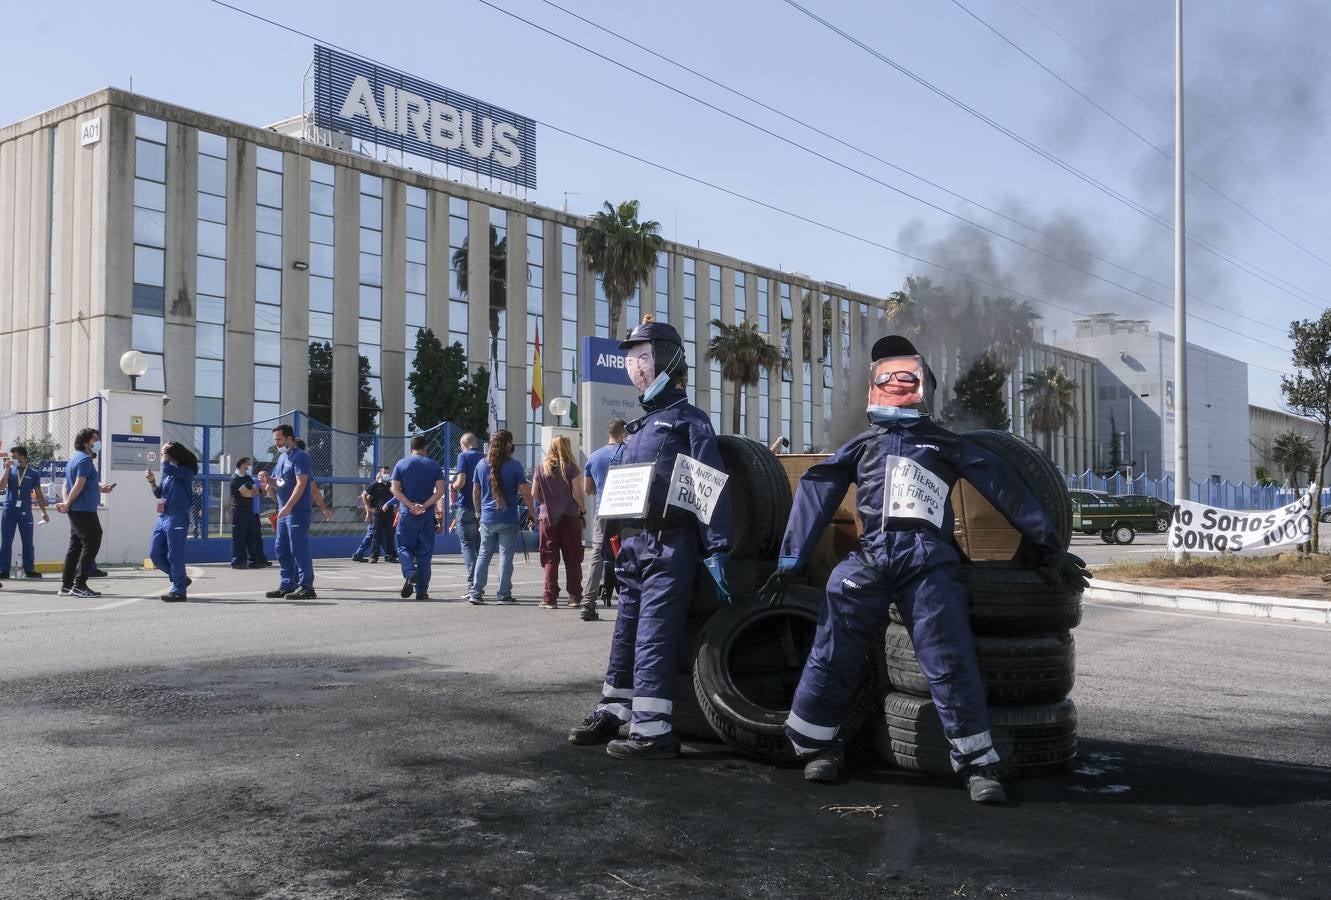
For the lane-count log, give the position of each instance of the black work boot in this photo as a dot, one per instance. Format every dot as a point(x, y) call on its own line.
point(984, 784)
point(589, 613)
point(635, 746)
point(598, 728)
point(827, 766)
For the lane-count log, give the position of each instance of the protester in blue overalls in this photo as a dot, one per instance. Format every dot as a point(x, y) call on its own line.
point(22, 485)
point(903, 468)
point(418, 485)
point(378, 523)
point(175, 495)
point(658, 554)
point(292, 484)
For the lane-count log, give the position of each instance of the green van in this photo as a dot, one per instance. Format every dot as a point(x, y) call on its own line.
point(1116, 519)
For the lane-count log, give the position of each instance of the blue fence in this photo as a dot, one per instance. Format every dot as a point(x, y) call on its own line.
point(48, 435)
point(1224, 494)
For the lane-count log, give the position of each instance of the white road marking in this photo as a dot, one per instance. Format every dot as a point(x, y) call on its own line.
point(1210, 617)
point(63, 609)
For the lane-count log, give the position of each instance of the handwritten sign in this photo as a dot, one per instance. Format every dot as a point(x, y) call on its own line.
point(626, 492)
point(695, 486)
point(913, 492)
point(1199, 528)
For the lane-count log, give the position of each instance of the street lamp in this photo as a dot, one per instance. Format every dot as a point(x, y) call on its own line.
point(134, 364)
point(559, 407)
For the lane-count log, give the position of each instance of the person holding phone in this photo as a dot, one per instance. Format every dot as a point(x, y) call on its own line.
point(21, 485)
point(175, 495)
point(83, 490)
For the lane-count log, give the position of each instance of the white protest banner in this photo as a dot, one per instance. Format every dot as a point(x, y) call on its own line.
point(1198, 528)
point(625, 493)
point(913, 492)
point(696, 487)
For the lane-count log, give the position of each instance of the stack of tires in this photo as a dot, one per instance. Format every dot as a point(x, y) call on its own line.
point(1023, 637)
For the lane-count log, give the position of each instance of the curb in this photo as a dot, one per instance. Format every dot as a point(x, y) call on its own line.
point(1289, 609)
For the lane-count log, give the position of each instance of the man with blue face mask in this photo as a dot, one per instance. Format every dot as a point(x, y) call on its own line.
point(658, 552)
point(83, 490)
point(379, 524)
point(22, 485)
point(903, 468)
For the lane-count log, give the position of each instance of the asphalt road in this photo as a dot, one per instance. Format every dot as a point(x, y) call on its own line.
point(364, 746)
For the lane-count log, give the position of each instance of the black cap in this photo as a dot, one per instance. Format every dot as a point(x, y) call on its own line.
point(652, 331)
point(893, 345)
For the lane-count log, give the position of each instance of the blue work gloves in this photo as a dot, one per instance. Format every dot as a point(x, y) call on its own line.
point(716, 567)
point(1065, 569)
point(774, 590)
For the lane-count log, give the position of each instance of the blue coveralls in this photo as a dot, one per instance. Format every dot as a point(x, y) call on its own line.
point(417, 477)
point(175, 490)
point(656, 566)
point(908, 557)
point(18, 516)
point(293, 531)
point(378, 531)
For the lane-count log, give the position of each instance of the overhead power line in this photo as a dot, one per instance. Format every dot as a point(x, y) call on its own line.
point(862, 174)
point(826, 226)
point(1252, 269)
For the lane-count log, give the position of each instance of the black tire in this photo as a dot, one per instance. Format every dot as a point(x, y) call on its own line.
point(749, 665)
point(1012, 599)
point(1106, 537)
point(1124, 534)
point(1037, 470)
point(744, 576)
point(760, 495)
point(1030, 740)
point(687, 718)
point(1035, 669)
point(1162, 524)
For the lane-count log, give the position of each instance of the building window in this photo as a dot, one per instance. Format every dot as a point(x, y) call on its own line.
point(369, 390)
point(498, 319)
point(210, 287)
point(691, 316)
point(764, 384)
point(714, 367)
point(787, 375)
point(417, 238)
point(535, 320)
point(568, 254)
point(663, 286)
point(268, 285)
point(457, 291)
point(148, 325)
point(323, 239)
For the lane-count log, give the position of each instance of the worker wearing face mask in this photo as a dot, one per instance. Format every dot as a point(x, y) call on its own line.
point(22, 487)
point(379, 521)
point(175, 495)
point(659, 549)
point(903, 468)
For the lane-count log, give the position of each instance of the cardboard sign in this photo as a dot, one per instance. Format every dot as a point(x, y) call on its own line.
point(695, 486)
point(1198, 528)
point(626, 492)
point(910, 491)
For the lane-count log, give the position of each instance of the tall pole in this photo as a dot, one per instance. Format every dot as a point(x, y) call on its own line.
point(1181, 482)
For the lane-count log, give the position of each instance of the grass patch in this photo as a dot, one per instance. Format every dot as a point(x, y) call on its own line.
point(1227, 566)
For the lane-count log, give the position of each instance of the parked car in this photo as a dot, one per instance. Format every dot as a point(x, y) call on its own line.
point(1164, 512)
point(1116, 521)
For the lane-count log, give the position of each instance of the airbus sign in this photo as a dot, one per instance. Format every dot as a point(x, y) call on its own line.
point(390, 108)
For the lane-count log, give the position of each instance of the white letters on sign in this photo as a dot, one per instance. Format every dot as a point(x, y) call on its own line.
point(1199, 528)
point(90, 132)
point(626, 492)
point(432, 122)
point(695, 486)
point(910, 491)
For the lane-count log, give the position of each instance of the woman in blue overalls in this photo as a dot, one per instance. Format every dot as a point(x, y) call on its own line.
point(174, 493)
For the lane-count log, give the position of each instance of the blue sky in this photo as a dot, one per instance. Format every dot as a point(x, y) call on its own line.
point(1258, 98)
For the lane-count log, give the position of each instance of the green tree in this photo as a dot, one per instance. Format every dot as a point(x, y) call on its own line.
point(367, 407)
point(1051, 401)
point(40, 449)
point(1294, 454)
point(1308, 393)
point(979, 398)
point(622, 251)
point(444, 390)
point(743, 353)
point(1262, 475)
point(498, 280)
point(320, 404)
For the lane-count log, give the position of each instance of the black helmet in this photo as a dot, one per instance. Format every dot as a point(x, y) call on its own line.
point(653, 331)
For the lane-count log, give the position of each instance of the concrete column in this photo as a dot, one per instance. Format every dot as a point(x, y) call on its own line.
point(62, 267)
point(393, 314)
point(478, 286)
point(182, 179)
point(436, 267)
point(819, 437)
point(241, 196)
point(552, 326)
point(836, 355)
point(728, 398)
point(675, 294)
point(346, 300)
point(295, 376)
point(751, 414)
point(25, 215)
point(517, 400)
point(796, 370)
point(586, 299)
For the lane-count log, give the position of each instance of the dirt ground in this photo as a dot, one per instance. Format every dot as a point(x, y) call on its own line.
point(1304, 587)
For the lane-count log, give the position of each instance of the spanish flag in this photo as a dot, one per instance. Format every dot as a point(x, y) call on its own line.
point(537, 388)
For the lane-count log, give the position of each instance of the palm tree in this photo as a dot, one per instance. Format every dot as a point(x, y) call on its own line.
point(743, 352)
point(1007, 327)
point(622, 251)
point(1294, 454)
point(1053, 400)
point(498, 280)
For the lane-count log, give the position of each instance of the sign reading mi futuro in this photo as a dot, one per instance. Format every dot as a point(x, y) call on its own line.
point(394, 109)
